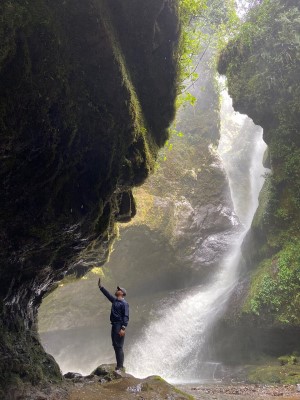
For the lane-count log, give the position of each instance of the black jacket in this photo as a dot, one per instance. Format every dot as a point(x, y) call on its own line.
point(119, 310)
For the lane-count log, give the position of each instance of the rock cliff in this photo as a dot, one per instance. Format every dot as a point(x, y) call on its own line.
point(87, 94)
point(262, 66)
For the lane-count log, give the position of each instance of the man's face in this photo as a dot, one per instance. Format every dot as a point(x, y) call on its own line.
point(119, 293)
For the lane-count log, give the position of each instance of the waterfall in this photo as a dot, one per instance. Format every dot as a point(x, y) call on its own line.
point(241, 148)
point(173, 344)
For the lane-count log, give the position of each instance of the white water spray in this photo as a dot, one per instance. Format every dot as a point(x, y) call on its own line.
point(173, 345)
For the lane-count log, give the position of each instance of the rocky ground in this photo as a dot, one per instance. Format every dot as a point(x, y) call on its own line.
point(152, 388)
point(103, 384)
point(106, 384)
point(242, 392)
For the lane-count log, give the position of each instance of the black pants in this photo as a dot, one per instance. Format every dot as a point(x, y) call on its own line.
point(118, 342)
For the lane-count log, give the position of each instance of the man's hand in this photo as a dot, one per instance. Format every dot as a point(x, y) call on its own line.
point(99, 283)
point(122, 333)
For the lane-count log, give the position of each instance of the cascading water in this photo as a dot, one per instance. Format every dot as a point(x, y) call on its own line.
point(241, 148)
point(173, 345)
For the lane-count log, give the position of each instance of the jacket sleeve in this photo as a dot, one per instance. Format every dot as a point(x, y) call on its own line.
point(126, 314)
point(107, 294)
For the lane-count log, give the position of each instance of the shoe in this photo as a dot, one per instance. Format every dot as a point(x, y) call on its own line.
point(119, 370)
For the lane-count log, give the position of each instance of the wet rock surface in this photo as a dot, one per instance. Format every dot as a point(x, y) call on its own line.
point(81, 122)
point(104, 383)
point(152, 388)
point(125, 388)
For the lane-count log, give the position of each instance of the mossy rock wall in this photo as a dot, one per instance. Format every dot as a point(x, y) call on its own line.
point(262, 65)
point(87, 94)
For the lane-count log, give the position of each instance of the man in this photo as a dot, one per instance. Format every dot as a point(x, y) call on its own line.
point(119, 318)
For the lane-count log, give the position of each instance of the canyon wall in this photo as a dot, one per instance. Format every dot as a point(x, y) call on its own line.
point(87, 94)
point(262, 65)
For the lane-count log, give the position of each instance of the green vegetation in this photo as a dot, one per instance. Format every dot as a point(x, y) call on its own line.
point(192, 40)
point(206, 26)
point(262, 64)
point(185, 395)
point(274, 374)
point(275, 288)
point(290, 359)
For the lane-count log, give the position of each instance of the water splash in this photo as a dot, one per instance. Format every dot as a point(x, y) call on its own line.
point(174, 345)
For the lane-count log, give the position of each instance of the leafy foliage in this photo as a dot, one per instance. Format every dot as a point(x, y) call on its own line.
point(206, 24)
point(277, 286)
point(262, 64)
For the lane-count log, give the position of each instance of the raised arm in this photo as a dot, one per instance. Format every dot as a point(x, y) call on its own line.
point(106, 293)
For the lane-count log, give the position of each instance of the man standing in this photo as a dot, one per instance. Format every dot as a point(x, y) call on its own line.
point(119, 318)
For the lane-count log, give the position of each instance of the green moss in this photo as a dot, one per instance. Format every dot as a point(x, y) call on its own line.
point(159, 378)
point(291, 360)
point(186, 396)
point(264, 199)
point(32, 365)
point(286, 374)
point(133, 25)
point(80, 126)
point(149, 148)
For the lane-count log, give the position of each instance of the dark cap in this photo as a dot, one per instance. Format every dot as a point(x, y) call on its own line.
point(122, 290)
